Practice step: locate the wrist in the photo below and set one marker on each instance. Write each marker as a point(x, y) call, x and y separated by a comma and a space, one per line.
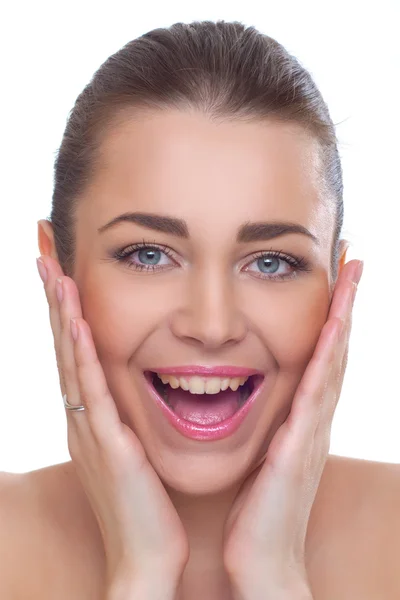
point(265, 590)
point(155, 589)
point(275, 584)
point(274, 595)
point(156, 583)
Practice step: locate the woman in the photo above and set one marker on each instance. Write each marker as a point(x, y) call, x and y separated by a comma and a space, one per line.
point(201, 310)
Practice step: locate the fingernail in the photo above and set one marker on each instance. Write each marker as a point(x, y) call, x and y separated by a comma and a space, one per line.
point(353, 296)
point(42, 269)
point(59, 289)
point(74, 329)
point(358, 273)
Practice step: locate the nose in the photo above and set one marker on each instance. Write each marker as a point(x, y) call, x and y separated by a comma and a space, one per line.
point(209, 314)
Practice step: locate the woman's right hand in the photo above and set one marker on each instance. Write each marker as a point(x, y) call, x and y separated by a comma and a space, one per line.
point(142, 532)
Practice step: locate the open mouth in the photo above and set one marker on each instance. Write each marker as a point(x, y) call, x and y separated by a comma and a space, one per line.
point(197, 406)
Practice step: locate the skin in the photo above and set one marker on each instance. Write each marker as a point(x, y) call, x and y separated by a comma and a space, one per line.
point(202, 306)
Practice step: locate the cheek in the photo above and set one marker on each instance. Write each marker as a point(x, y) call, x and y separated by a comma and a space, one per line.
point(290, 324)
point(120, 317)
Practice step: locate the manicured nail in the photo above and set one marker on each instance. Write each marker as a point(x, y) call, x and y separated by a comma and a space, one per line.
point(59, 289)
point(42, 269)
point(353, 296)
point(74, 329)
point(359, 271)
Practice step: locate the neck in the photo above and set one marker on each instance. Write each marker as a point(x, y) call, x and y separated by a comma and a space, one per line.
point(204, 518)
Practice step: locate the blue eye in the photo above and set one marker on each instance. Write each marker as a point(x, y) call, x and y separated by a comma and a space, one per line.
point(147, 254)
point(150, 257)
point(263, 263)
point(269, 265)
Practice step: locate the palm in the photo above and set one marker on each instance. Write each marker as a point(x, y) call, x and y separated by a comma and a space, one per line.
point(244, 505)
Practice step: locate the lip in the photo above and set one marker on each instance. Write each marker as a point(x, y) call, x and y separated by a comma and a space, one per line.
point(217, 371)
point(215, 432)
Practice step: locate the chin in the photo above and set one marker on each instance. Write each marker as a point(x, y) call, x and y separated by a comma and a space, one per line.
point(191, 474)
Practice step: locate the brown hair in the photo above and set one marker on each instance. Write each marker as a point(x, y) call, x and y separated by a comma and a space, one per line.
point(226, 70)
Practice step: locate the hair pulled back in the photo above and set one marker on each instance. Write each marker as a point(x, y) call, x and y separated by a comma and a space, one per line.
point(224, 69)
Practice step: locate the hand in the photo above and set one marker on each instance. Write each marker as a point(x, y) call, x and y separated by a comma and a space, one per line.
point(141, 530)
point(264, 538)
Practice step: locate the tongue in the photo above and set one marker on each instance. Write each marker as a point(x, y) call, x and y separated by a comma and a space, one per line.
point(204, 409)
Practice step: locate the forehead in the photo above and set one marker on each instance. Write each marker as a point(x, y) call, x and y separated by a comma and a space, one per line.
point(184, 164)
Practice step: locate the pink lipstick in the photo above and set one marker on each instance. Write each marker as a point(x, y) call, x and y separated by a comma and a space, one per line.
point(207, 431)
point(217, 371)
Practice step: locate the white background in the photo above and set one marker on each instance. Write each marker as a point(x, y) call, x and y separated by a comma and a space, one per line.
point(48, 54)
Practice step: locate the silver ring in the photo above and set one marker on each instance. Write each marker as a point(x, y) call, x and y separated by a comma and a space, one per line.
point(71, 406)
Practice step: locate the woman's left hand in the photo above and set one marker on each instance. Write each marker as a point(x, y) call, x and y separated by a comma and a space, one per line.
point(264, 537)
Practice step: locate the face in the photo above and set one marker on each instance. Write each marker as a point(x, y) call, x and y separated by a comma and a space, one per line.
point(206, 297)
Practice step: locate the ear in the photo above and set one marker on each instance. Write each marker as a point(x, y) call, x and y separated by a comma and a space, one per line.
point(46, 239)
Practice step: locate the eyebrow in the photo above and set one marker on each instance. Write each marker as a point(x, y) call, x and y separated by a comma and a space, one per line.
point(248, 232)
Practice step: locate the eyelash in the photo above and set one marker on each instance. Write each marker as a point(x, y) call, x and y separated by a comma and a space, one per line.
point(299, 263)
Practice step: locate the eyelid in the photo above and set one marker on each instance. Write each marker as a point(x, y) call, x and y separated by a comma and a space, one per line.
point(271, 253)
point(297, 263)
point(125, 254)
point(267, 254)
point(136, 247)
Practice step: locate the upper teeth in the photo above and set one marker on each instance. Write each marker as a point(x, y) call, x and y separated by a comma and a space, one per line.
point(203, 385)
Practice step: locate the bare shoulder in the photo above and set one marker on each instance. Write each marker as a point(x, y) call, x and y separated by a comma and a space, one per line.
point(48, 542)
point(369, 490)
point(357, 530)
point(12, 528)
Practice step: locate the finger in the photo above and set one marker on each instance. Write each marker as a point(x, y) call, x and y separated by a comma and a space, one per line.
point(344, 308)
point(102, 414)
point(347, 275)
point(328, 407)
point(84, 380)
point(311, 392)
point(70, 307)
point(53, 271)
point(309, 399)
point(308, 424)
point(315, 435)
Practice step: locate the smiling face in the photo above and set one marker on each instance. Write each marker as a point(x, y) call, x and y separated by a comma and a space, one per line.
point(201, 294)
